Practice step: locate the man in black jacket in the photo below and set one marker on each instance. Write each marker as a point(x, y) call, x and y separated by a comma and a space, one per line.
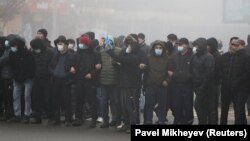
point(87, 66)
point(6, 90)
point(235, 75)
point(181, 81)
point(22, 64)
point(62, 78)
point(41, 93)
point(129, 80)
point(202, 71)
point(225, 75)
point(212, 45)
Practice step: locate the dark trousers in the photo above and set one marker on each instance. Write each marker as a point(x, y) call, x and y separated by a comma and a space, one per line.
point(41, 98)
point(6, 98)
point(206, 105)
point(129, 105)
point(85, 92)
point(240, 112)
point(61, 99)
point(182, 103)
point(109, 99)
point(227, 96)
point(155, 95)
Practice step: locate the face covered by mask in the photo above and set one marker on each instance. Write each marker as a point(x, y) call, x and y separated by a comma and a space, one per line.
point(60, 47)
point(180, 48)
point(128, 49)
point(13, 49)
point(6, 43)
point(37, 51)
point(82, 46)
point(194, 50)
point(71, 46)
point(158, 52)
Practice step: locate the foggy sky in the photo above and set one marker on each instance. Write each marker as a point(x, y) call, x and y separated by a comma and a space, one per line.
point(155, 18)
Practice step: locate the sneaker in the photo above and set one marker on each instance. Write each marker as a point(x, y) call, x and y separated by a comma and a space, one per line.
point(112, 124)
point(100, 120)
point(128, 131)
point(123, 128)
point(77, 122)
point(68, 123)
point(54, 122)
point(35, 121)
point(93, 124)
point(120, 126)
point(26, 119)
point(105, 125)
point(15, 119)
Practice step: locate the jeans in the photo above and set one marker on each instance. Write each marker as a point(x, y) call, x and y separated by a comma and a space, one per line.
point(109, 94)
point(17, 97)
point(155, 96)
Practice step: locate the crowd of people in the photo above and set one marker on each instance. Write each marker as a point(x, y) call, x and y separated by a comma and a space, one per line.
point(109, 77)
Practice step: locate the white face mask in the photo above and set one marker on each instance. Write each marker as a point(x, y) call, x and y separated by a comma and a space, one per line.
point(82, 46)
point(37, 51)
point(194, 50)
point(60, 47)
point(71, 46)
point(128, 49)
point(13, 49)
point(158, 52)
point(180, 48)
point(6, 43)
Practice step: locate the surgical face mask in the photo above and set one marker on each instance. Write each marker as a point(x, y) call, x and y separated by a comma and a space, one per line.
point(37, 51)
point(158, 52)
point(81, 46)
point(6, 43)
point(180, 48)
point(128, 49)
point(194, 50)
point(71, 46)
point(60, 47)
point(13, 49)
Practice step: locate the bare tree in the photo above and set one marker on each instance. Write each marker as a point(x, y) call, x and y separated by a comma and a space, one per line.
point(9, 10)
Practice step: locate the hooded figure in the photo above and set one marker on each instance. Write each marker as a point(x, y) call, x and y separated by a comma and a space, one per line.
point(156, 82)
point(22, 64)
point(212, 45)
point(203, 66)
point(201, 46)
point(130, 78)
point(42, 81)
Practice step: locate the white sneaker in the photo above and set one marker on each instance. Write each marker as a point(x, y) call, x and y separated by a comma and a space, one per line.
point(100, 119)
point(120, 126)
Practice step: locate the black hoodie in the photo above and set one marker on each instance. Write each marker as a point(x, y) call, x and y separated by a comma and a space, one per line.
point(213, 44)
point(22, 62)
point(42, 59)
point(203, 65)
point(129, 74)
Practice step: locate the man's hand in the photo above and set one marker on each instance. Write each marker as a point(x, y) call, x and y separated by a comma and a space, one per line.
point(170, 73)
point(142, 66)
point(98, 66)
point(72, 70)
point(165, 83)
point(88, 76)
